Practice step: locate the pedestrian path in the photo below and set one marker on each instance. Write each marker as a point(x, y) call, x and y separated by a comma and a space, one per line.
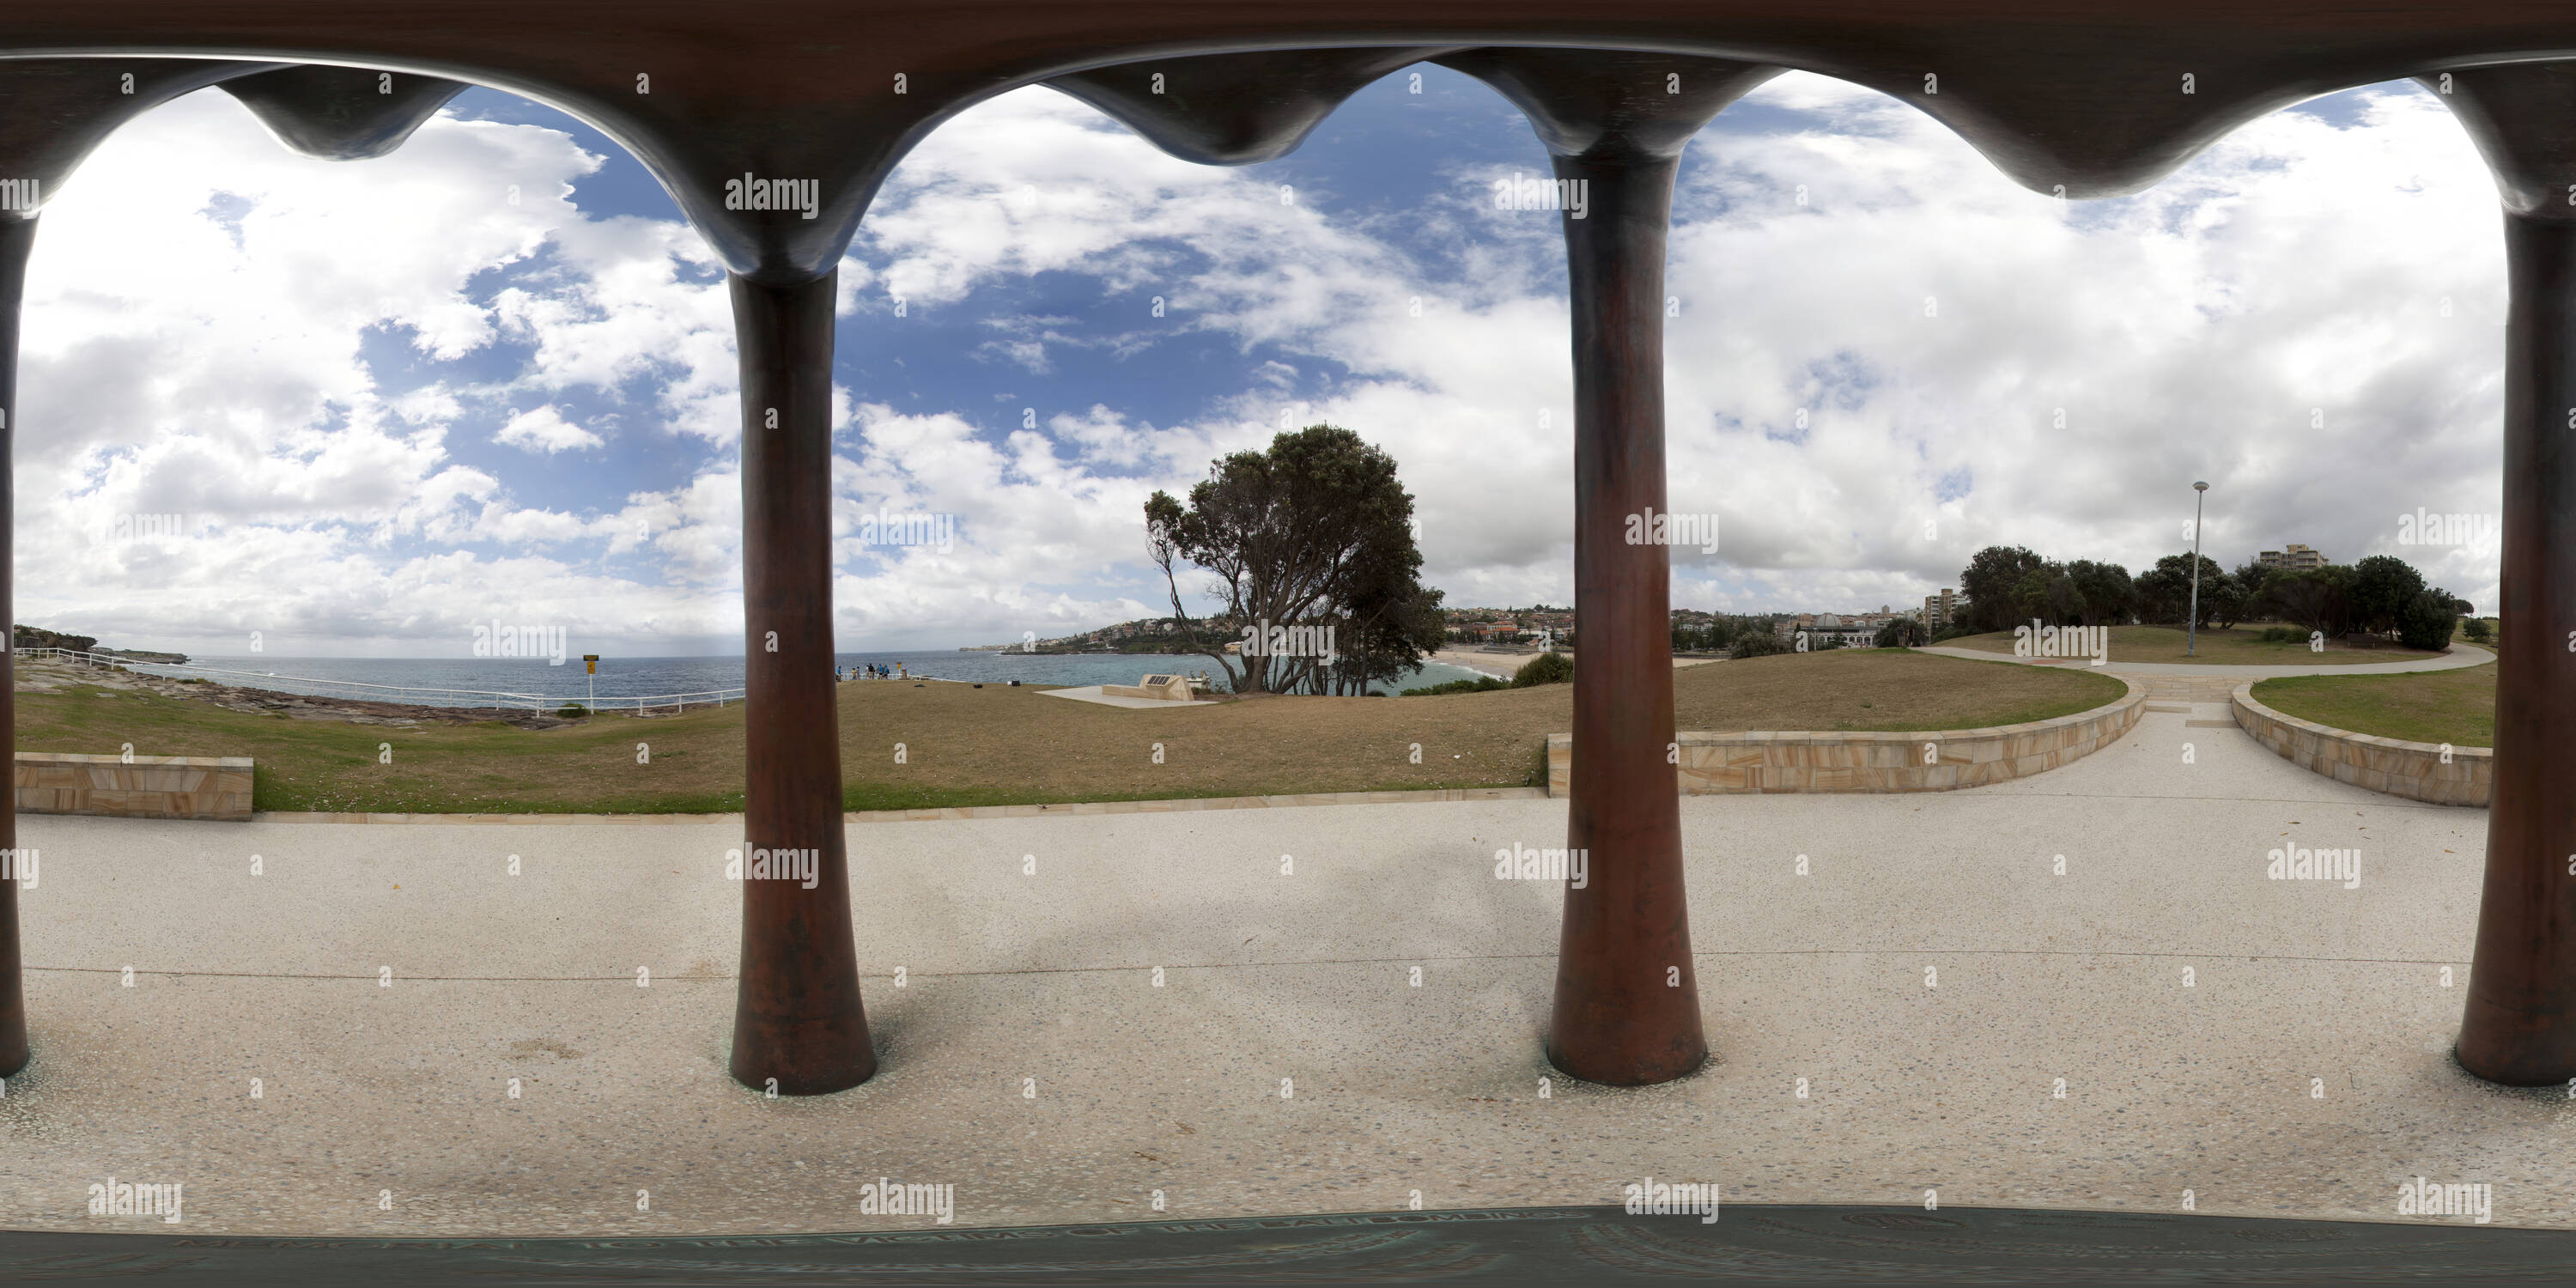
point(2460, 656)
point(1244, 1012)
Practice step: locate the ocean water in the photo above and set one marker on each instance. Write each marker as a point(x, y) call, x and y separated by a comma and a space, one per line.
point(421, 680)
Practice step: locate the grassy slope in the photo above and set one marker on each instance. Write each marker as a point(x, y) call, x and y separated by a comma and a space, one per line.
point(998, 745)
point(333, 765)
point(2241, 646)
point(2457, 707)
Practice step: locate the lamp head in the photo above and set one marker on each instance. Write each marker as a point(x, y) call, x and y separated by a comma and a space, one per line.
point(2199, 487)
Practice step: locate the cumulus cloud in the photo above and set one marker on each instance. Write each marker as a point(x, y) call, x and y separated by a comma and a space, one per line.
point(1883, 356)
point(1890, 356)
point(545, 430)
point(224, 340)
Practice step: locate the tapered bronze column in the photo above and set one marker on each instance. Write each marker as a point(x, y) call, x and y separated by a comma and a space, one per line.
point(17, 238)
point(797, 1017)
point(2520, 1025)
point(1627, 998)
point(52, 112)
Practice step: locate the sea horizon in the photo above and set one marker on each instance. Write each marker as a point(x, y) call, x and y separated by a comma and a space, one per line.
point(455, 681)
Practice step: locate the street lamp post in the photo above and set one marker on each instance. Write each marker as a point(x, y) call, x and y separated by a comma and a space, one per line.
point(2191, 627)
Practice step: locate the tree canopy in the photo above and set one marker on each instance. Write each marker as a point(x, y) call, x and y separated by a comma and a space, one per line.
point(1315, 532)
point(2382, 595)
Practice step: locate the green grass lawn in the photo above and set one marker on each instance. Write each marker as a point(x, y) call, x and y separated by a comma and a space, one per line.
point(332, 765)
point(2457, 707)
point(2238, 646)
point(998, 745)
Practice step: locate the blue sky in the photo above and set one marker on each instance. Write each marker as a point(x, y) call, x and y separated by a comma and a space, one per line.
point(491, 376)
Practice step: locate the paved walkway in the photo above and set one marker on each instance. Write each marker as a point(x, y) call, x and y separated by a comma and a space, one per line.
point(1093, 693)
point(2460, 656)
point(2273, 1048)
point(1503, 666)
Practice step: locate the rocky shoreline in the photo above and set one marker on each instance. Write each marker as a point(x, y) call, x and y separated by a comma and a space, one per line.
point(39, 675)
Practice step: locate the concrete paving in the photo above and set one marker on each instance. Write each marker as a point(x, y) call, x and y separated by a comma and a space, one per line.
point(1347, 1014)
point(1503, 666)
point(2460, 656)
point(1094, 693)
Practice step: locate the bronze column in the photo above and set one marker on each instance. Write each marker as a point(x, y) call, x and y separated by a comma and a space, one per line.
point(1627, 998)
point(797, 1017)
point(2520, 1025)
point(52, 112)
point(17, 238)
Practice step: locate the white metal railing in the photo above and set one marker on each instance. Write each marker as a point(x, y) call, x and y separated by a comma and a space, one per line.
point(373, 692)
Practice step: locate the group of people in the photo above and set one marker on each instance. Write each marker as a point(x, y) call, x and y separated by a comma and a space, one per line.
point(871, 671)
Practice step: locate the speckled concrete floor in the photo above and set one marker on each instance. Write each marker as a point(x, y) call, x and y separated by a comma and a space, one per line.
point(2301, 1070)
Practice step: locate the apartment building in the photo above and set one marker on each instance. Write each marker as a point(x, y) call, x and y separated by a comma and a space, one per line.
point(2294, 558)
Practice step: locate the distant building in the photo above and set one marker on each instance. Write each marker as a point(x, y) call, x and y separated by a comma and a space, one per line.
point(1847, 630)
point(2295, 558)
point(1937, 610)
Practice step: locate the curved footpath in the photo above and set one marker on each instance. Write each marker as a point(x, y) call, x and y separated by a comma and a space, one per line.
point(2461, 656)
point(2274, 1047)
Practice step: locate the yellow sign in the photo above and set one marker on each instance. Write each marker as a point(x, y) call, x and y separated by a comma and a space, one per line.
point(592, 660)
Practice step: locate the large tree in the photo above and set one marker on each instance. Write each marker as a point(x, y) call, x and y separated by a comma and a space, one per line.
point(1389, 621)
point(1314, 532)
point(2165, 593)
point(2428, 619)
point(1992, 582)
point(2317, 598)
point(2110, 598)
point(2384, 588)
point(2255, 601)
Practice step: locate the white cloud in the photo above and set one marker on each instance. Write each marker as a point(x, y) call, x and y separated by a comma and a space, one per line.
point(545, 430)
point(1931, 317)
point(206, 313)
point(2187, 333)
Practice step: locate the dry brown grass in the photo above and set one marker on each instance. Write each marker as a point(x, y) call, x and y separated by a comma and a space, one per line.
point(1003, 745)
point(999, 745)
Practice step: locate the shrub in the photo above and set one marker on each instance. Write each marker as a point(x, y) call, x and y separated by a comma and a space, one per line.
point(1546, 668)
point(2278, 635)
point(1757, 644)
point(1481, 684)
point(2477, 630)
point(2427, 620)
point(572, 711)
point(1904, 632)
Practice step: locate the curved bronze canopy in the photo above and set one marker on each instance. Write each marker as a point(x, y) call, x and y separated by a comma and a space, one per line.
point(2092, 99)
point(729, 104)
point(342, 113)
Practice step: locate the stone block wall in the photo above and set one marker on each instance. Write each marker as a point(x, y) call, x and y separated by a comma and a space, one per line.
point(2416, 770)
point(1717, 763)
point(201, 787)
